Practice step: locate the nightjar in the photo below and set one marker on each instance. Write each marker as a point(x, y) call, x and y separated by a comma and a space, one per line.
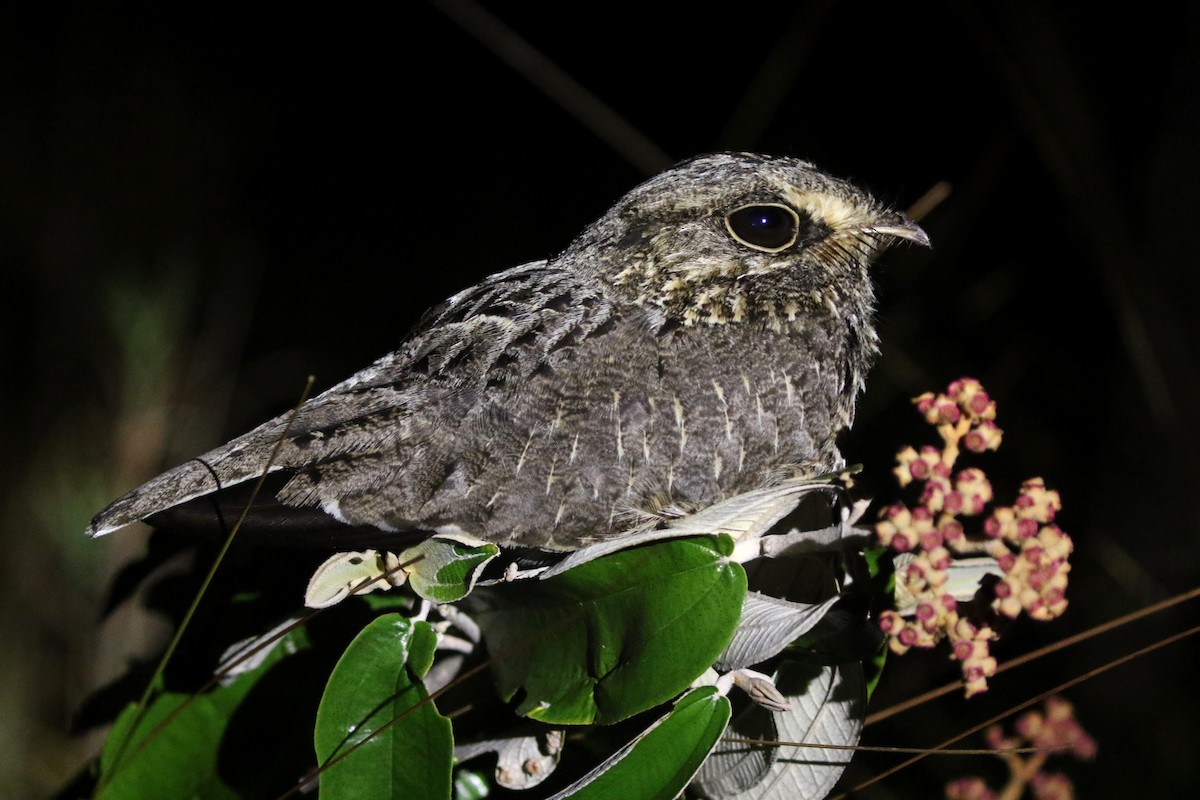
point(705, 337)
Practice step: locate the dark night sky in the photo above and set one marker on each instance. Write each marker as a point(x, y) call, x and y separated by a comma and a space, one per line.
point(301, 186)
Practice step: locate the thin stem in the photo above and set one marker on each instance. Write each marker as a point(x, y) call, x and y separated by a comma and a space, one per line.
point(1105, 627)
point(1062, 687)
point(155, 679)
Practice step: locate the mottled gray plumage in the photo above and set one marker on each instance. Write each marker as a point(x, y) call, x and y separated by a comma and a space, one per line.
point(661, 363)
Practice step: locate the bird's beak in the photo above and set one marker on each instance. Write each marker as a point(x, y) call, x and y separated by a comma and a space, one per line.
point(900, 227)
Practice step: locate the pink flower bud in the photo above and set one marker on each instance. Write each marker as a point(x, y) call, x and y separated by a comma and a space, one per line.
point(890, 621)
point(1084, 746)
point(902, 541)
point(1057, 543)
point(939, 558)
point(972, 788)
point(1000, 524)
point(984, 436)
point(951, 530)
point(1059, 708)
point(947, 412)
point(995, 738)
point(979, 403)
point(969, 477)
point(1009, 607)
point(1051, 786)
point(975, 488)
point(1029, 724)
point(1040, 578)
point(924, 403)
point(958, 387)
point(1037, 610)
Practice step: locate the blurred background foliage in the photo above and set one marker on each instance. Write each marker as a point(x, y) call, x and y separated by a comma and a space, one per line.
point(201, 206)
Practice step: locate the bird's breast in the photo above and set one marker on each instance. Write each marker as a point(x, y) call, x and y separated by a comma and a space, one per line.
point(654, 426)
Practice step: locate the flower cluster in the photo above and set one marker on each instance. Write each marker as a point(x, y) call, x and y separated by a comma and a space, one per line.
point(1032, 552)
point(1053, 730)
point(1021, 549)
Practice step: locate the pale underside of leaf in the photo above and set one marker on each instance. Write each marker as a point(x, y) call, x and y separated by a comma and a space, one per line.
point(522, 761)
point(768, 625)
point(828, 704)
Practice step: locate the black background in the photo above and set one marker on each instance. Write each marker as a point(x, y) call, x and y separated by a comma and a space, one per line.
point(281, 194)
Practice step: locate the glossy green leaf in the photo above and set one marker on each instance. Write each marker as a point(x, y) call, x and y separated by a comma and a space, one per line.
point(180, 760)
point(446, 570)
point(375, 713)
point(617, 635)
point(660, 762)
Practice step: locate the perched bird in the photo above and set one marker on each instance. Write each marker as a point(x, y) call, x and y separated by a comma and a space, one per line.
point(705, 337)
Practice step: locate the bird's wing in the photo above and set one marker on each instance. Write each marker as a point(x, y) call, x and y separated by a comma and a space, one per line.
point(400, 409)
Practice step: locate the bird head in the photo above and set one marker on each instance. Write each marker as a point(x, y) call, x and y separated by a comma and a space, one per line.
point(738, 237)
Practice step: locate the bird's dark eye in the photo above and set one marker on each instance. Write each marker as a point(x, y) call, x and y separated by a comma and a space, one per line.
point(765, 226)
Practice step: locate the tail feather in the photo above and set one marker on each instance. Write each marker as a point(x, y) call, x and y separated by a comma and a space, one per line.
point(187, 482)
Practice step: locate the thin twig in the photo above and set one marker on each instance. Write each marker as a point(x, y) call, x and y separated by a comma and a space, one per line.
point(1062, 687)
point(1132, 616)
point(143, 703)
point(572, 96)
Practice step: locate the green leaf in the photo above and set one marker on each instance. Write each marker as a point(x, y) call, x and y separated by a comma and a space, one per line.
point(374, 700)
point(195, 753)
point(660, 762)
point(617, 635)
point(881, 567)
point(447, 570)
point(873, 670)
point(180, 760)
